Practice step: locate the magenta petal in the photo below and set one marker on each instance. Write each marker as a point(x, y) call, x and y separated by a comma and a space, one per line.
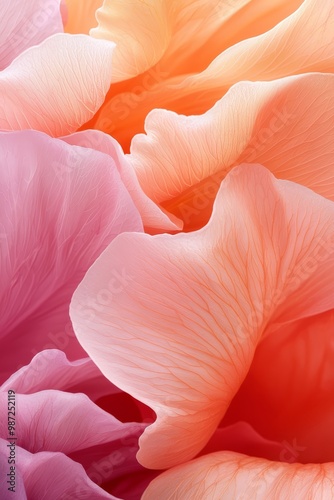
point(26, 23)
point(49, 475)
point(60, 421)
point(50, 369)
point(60, 208)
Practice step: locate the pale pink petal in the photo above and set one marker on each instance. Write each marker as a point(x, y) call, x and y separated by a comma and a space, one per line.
point(57, 86)
point(61, 206)
point(152, 216)
point(285, 125)
point(180, 335)
point(24, 24)
point(226, 476)
point(81, 15)
point(49, 476)
point(50, 369)
point(290, 398)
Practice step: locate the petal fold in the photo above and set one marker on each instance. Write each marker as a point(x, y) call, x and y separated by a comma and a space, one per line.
point(181, 335)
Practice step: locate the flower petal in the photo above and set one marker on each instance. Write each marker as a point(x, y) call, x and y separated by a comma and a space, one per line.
point(81, 15)
point(61, 206)
point(24, 24)
point(284, 125)
point(152, 216)
point(301, 43)
point(50, 369)
point(61, 95)
point(145, 31)
point(226, 475)
point(291, 398)
point(51, 474)
point(60, 421)
point(180, 335)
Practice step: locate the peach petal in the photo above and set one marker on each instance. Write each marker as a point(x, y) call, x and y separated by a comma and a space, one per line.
point(57, 97)
point(81, 15)
point(285, 125)
point(227, 475)
point(145, 31)
point(181, 333)
point(24, 24)
point(301, 43)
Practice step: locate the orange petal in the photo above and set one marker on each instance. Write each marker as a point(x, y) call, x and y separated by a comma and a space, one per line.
point(291, 398)
point(146, 31)
point(178, 328)
point(285, 125)
point(81, 15)
point(56, 86)
point(301, 43)
point(227, 475)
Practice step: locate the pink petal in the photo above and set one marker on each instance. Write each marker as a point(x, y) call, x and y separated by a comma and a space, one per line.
point(153, 217)
point(227, 475)
point(181, 335)
point(62, 206)
point(64, 422)
point(51, 369)
point(57, 97)
point(24, 24)
point(51, 475)
point(284, 125)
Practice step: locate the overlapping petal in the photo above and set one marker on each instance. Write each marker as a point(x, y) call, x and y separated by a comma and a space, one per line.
point(56, 86)
point(226, 475)
point(51, 474)
point(50, 369)
point(61, 206)
point(153, 217)
point(285, 125)
point(146, 31)
point(302, 42)
point(60, 421)
point(181, 335)
point(24, 24)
